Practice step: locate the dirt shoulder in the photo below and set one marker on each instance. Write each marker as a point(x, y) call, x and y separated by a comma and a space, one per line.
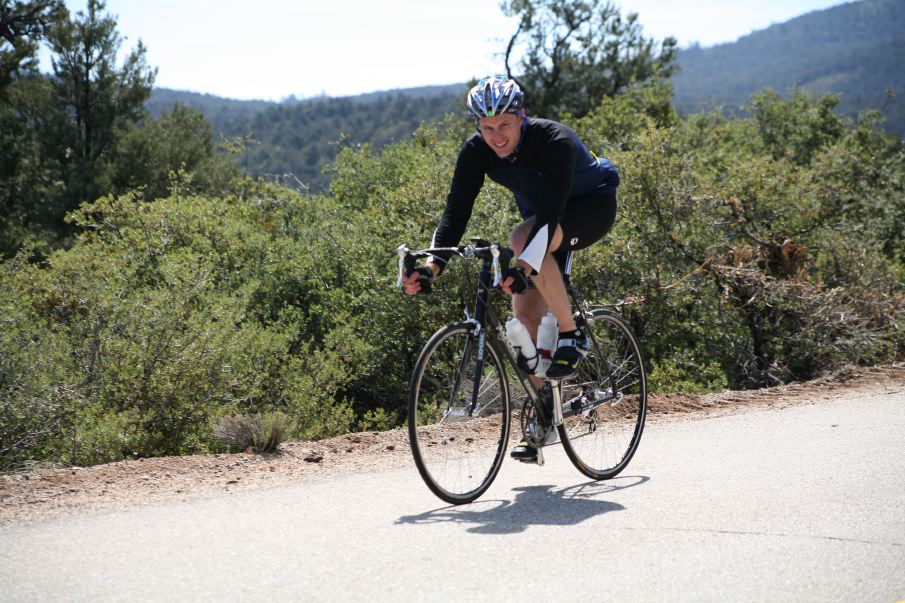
point(47, 493)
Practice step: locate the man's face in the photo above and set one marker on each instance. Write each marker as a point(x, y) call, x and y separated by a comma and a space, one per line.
point(501, 132)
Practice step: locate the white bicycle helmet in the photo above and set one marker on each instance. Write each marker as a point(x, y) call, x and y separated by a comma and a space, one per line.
point(494, 96)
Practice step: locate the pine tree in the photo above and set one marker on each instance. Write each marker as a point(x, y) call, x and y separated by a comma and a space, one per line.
point(574, 53)
point(99, 99)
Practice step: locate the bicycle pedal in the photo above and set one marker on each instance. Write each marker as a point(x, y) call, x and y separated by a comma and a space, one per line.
point(537, 460)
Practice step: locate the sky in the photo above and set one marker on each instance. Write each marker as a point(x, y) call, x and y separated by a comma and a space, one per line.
point(274, 49)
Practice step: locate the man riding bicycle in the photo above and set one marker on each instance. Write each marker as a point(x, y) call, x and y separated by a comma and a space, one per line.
point(565, 195)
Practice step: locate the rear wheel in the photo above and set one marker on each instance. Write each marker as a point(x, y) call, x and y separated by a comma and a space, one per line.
point(612, 386)
point(458, 445)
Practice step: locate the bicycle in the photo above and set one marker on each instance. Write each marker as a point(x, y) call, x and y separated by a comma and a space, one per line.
point(459, 407)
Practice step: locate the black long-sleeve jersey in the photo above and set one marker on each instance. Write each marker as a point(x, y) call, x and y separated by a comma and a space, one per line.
point(550, 166)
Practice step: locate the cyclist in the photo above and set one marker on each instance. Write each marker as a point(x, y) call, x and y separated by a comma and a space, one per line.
point(565, 194)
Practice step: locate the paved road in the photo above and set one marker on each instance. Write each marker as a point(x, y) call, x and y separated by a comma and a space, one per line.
point(801, 504)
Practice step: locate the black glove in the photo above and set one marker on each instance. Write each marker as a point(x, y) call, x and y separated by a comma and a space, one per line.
point(425, 278)
point(519, 280)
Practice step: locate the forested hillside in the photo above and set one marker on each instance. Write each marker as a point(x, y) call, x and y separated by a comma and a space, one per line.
point(855, 50)
point(300, 137)
point(227, 116)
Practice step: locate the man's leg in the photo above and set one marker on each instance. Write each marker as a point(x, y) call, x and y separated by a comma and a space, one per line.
point(586, 220)
point(548, 281)
point(530, 307)
point(572, 344)
point(550, 293)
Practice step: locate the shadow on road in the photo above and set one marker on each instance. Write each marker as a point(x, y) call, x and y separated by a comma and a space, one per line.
point(532, 505)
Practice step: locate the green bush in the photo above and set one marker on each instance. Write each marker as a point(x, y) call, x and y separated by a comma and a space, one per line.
point(134, 340)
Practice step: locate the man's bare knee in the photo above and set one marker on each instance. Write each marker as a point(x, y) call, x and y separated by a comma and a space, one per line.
point(517, 241)
point(519, 236)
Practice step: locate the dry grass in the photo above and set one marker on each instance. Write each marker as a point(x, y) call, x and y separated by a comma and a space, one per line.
point(258, 432)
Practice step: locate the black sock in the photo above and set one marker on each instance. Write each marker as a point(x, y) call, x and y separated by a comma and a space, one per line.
point(576, 334)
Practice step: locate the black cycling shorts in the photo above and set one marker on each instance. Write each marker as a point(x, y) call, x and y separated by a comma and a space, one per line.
point(586, 220)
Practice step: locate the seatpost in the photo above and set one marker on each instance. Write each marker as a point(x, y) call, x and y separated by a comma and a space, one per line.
point(557, 403)
point(567, 269)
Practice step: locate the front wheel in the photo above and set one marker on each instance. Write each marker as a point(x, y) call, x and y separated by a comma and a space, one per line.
point(611, 386)
point(458, 416)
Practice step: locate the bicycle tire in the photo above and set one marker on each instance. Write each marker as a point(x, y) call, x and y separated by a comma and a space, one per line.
point(601, 442)
point(457, 455)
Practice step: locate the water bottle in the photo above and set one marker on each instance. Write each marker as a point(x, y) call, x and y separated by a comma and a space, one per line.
point(522, 345)
point(547, 335)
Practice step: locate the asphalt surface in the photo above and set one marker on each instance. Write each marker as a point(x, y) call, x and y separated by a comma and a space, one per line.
point(805, 503)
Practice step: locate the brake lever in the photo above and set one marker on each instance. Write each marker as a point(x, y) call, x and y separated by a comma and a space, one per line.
point(497, 273)
point(403, 252)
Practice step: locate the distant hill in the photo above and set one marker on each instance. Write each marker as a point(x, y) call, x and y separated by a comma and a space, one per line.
point(451, 90)
point(299, 137)
point(224, 114)
point(856, 50)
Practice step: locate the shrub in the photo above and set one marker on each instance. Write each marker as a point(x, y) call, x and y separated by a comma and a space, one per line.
point(262, 432)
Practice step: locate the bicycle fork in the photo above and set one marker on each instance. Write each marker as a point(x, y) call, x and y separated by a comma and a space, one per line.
point(479, 371)
point(460, 375)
